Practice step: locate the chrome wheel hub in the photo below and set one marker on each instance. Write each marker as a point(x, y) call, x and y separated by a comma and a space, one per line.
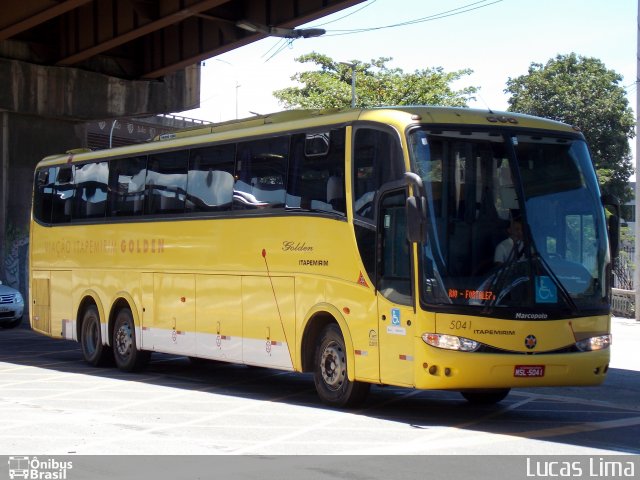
point(332, 366)
point(123, 340)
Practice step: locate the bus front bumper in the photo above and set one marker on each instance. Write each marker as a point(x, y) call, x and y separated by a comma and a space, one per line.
point(437, 368)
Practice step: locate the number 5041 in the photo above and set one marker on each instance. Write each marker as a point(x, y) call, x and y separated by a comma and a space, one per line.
point(459, 325)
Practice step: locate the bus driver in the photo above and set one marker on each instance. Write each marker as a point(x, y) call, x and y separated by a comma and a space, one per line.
point(512, 245)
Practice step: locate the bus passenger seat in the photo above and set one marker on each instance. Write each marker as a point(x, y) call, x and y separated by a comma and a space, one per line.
point(335, 193)
point(93, 209)
point(68, 207)
point(171, 203)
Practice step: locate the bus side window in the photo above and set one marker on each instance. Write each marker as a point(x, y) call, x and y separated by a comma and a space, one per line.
point(261, 173)
point(91, 190)
point(62, 206)
point(127, 185)
point(43, 194)
point(316, 175)
point(210, 178)
point(394, 280)
point(166, 182)
point(377, 159)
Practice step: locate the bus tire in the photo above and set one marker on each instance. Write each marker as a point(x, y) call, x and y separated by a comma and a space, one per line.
point(485, 397)
point(330, 371)
point(128, 358)
point(94, 351)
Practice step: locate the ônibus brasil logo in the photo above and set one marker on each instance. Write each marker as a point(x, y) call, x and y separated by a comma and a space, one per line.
point(36, 469)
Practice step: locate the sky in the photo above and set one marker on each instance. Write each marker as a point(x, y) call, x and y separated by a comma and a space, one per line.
point(497, 39)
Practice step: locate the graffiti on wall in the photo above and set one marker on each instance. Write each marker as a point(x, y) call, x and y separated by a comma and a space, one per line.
point(16, 257)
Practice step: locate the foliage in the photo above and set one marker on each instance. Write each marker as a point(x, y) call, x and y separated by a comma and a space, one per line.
point(581, 91)
point(376, 85)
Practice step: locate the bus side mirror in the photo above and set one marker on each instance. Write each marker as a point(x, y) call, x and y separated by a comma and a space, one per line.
point(416, 209)
point(614, 235)
point(415, 219)
point(613, 223)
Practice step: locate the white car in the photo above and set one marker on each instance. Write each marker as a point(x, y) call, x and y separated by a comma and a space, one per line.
point(11, 307)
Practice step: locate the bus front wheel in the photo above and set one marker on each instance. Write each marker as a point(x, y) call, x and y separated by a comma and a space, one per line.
point(128, 357)
point(486, 397)
point(94, 351)
point(330, 371)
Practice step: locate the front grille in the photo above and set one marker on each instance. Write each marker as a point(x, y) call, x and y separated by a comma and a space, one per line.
point(7, 298)
point(488, 349)
point(7, 314)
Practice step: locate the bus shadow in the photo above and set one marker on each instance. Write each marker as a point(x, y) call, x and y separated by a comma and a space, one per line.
point(605, 417)
point(571, 416)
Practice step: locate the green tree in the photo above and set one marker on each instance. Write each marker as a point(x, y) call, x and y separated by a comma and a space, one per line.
point(376, 85)
point(581, 91)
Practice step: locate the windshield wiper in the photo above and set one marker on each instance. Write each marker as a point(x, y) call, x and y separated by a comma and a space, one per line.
point(512, 259)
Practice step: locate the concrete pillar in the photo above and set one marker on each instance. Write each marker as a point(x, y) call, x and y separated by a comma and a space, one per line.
point(25, 141)
point(4, 186)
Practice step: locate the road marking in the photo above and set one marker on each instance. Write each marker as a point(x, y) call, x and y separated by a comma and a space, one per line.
point(254, 448)
point(432, 439)
point(579, 428)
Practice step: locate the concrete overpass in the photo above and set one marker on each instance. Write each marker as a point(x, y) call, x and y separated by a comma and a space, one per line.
point(66, 62)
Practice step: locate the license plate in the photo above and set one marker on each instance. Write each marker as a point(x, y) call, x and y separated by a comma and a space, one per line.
point(528, 371)
point(4, 309)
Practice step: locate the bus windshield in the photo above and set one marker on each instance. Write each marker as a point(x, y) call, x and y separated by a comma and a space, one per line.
point(515, 224)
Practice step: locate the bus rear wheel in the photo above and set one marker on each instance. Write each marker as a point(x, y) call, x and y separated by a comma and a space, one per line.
point(330, 371)
point(128, 358)
point(486, 397)
point(94, 351)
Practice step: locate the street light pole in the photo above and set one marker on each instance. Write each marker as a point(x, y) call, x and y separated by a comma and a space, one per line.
point(235, 79)
point(636, 254)
point(353, 86)
point(113, 125)
point(237, 87)
point(352, 66)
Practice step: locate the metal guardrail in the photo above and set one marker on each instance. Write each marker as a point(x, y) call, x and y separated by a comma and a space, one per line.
point(182, 122)
point(623, 302)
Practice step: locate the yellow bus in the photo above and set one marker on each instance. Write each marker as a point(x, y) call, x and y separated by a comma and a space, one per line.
point(360, 245)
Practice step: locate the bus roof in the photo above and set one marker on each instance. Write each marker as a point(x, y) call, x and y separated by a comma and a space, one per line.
point(273, 123)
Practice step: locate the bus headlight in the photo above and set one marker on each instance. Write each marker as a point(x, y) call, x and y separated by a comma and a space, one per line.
point(450, 342)
point(594, 343)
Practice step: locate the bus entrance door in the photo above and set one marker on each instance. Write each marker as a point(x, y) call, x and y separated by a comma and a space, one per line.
point(396, 343)
point(395, 299)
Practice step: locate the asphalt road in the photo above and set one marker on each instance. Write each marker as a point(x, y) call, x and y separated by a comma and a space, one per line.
point(52, 403)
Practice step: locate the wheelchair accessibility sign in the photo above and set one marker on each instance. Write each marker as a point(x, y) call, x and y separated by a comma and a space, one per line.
point(396, 327)
point(395, 317)
point(546, 290)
